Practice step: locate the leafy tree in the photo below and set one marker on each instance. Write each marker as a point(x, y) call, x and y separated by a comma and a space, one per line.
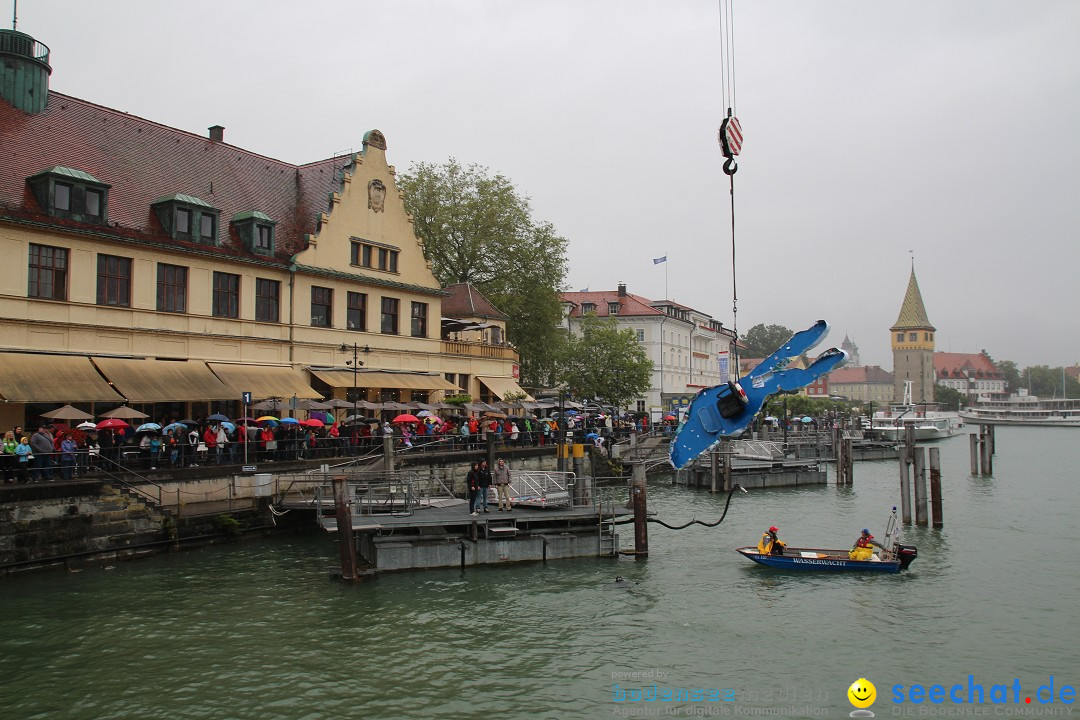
point(605, 363)
point(1012, 374)
point(949, 398)
point(478, 228)
point(762, 340)
point(1046, 382)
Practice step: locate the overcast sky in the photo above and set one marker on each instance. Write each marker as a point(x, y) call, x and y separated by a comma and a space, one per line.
point(950, 129)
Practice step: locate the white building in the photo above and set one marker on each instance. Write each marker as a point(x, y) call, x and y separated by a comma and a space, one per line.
point(686, 346)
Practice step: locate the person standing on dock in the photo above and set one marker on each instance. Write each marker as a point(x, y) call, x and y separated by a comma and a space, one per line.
point(471, 482)
point(483, 483)
point(770, 544)
point(502, 484)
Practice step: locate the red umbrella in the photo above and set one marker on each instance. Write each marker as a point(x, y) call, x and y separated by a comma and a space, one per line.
point(112, 424)
point(313, 422)
point(669, 417)
point(406, 418)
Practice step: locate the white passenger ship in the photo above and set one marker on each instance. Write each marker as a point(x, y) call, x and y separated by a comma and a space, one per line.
point(1024, 409)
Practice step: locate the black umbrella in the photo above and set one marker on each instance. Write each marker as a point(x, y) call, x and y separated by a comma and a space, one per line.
point(216, 417)
point(189, 423)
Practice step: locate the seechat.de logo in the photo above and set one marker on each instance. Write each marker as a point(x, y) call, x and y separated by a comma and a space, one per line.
point(862, 694)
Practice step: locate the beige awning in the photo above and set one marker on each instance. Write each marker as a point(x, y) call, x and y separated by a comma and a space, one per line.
point(378, 380)
point(264, 381)
point(501, 386)
point(29, 377)
point(146, 381)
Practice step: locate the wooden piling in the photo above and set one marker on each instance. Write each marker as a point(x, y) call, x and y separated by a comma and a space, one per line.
point(346, 541)
point(973, 447)
point(905, 486)
point(849, 461)
point(725, 458)
point(935, 488)
point(714, 470)
point(388, 452)
point(987, 450)
point(638, 495)
point(920, 487)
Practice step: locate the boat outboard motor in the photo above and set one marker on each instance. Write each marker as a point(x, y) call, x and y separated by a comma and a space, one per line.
point(905, 554)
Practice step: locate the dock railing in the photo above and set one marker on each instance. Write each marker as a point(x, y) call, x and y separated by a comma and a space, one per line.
point(541, 488)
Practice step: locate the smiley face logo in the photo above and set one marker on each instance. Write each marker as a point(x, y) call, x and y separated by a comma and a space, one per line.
point(862, 693)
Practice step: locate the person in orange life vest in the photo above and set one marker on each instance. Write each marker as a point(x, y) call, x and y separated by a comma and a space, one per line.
point(770, 544)
point(864, 546)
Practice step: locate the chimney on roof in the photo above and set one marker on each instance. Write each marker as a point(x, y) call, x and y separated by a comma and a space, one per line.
point(622, 289)
point(217, 133)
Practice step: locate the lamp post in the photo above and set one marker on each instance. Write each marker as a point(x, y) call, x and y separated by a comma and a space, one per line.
point(355, 363)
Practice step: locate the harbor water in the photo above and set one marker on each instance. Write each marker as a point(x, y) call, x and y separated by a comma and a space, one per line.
point(258, 630)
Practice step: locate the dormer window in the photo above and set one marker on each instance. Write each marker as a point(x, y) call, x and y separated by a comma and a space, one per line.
point(256, 231)
point(72, 194)
point(186, 217)
point(613, 308)
point(587, 308)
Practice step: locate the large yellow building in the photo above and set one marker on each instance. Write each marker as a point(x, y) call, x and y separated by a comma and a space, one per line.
point(148, 265)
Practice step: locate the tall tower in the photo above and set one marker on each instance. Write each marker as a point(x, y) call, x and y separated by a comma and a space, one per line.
point(913, 347)
point(24, 71)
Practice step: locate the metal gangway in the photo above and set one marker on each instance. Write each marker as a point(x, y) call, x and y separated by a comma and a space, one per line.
point(540, 488)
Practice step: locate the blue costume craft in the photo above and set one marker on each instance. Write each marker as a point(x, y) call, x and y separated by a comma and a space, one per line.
point(724, 411)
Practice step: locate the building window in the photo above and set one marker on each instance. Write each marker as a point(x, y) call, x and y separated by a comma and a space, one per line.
point(641, 406)
point(264, 239)
point(357, 311)
point(587, 308)
point(419, 319)
point(62, 196)
point(899, 337)
point(390, 315)
point(48, 272)
point(496, 335)
point(93, 203)
point(613, 308)
point(321, 301)
point(267, 300)
point(913, 336)
point(206, 228)
point(114, 281)
point(226, 295)
point(640, 334)
point(371, 255)
point(171, 288)
point(183, 222)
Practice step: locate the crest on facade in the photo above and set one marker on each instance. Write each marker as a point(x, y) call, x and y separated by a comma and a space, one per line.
point(376, 195)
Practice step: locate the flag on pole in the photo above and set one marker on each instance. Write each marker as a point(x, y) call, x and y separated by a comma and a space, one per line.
point(657, 261)
point(584, 290)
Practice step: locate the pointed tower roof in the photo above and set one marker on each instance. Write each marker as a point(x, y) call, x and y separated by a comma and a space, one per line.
point(913, 312)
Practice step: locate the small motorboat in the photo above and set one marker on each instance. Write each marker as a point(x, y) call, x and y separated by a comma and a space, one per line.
point(891, 558)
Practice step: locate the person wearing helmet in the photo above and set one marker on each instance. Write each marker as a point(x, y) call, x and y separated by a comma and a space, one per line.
point(864, 546)
point(770, 544)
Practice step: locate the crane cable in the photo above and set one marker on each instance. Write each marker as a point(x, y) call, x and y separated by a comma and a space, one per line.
point(730, 142)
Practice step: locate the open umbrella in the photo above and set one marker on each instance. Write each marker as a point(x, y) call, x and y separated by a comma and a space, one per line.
point(808, 419)
point(669, 417)
point(112, 424)
point(290, 421)
point(86, 426)
point(313, 422)
point(125, 413)
point(148, 427)
point(175, 426)
point(495, 414)
point(406, 418)
point(217, 417)
point(423, 413)
point(189, 422)
point(229, 427)
point(264, 418)
point(67, 413)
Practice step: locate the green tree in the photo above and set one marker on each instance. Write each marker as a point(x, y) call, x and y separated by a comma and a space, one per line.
point(478, 228)
point(605, 363)
point(1012, 374)
point(949, 398)
point(762, 340)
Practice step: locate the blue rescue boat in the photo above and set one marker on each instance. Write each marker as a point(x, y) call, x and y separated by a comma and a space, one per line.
point(833, 560)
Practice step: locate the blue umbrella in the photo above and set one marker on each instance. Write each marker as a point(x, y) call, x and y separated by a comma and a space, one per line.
point(175, 426)
point(570, 412)
point(217, 417)
point(289, 421)
point(590, 436)
point(808, 419)
point(148, 427)
point(229, 427)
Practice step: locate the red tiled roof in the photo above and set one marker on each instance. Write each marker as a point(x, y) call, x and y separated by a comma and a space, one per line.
point(860, 374)
point(143, 161)
point(465, 301)
point(630, 305)
point(954, 365)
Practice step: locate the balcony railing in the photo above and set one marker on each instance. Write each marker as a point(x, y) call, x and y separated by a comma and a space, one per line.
point(17, 43)
point(478, 349)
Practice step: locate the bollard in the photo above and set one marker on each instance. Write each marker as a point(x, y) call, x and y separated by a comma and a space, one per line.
point(725, 458)
point(920, 487)
point(905, 486)
point(388, 452)
point(987, 450)
point(714, 471)
point(346, 542)
point(638, 487)
point(935, 487)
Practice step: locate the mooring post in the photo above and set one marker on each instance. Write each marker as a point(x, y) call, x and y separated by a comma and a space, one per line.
point(714, 470)
point(987, 450)
point(489, 450)
point(346, 541)
point(638, 496)
point(838, 457)
point(935, 487)
point(973, 447)
point(993, 440)
point(905, 485)
point(725, 458)
point(388, 452)
point(849, 466)
point(920, 487)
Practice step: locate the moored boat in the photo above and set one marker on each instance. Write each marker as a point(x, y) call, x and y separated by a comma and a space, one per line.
point(1024, 409)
